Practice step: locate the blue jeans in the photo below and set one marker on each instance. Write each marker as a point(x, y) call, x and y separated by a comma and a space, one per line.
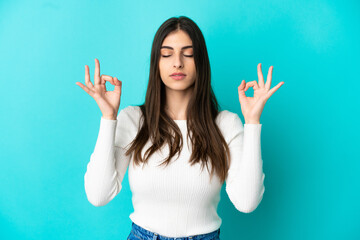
point(139, 233)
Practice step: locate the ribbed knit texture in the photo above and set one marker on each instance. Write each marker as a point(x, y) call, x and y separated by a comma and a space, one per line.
point(178, 200)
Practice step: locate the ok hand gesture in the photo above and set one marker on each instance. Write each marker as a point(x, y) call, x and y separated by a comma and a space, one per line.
point(252, 107)
point(108, 101)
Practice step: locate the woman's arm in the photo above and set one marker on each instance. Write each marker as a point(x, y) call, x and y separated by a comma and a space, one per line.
point(108, 163)
point(245, 180)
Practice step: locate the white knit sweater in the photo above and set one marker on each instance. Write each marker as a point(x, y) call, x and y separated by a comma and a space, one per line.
point(178, 200)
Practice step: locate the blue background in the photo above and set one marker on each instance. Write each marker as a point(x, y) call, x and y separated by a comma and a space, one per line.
point(49, 125)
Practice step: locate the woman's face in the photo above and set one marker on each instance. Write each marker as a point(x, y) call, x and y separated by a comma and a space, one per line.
point(176, 56)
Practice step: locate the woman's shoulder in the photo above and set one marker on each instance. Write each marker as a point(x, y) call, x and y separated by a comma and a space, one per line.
point(131, 108)
point(229, 124)
point(130, 114)
point(127, 125)
point(226, 117)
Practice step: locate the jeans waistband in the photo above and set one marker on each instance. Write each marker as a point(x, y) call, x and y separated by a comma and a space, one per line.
point(146, 234)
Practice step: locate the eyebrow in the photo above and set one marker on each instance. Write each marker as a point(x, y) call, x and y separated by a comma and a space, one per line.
point(173, 48)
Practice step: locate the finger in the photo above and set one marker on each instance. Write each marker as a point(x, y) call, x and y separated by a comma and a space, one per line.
point(269, 77)
point(251, 84)
point(260, 75)
point(274, 89)
point(86, 89)
point(97, 72)
point(113, 81)
point(118, 85)
point(87, 78)
point(104, 78)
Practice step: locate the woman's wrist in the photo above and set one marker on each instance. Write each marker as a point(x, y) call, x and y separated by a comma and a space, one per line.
point(252, 121)
point(109, 117)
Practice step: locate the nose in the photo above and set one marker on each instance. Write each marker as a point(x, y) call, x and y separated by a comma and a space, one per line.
point(178, 63)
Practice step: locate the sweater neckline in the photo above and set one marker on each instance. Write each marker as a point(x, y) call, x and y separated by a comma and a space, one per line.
point(180, 121)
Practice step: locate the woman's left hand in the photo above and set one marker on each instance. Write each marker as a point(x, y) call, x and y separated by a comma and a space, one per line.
point(252, 107)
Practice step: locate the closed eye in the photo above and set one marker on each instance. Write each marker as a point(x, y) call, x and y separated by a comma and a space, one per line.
point(170, 55)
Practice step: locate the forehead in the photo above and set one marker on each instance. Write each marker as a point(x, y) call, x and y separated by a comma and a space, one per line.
point(177, 40)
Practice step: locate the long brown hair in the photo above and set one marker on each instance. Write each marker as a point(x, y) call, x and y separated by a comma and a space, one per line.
point(207, 141)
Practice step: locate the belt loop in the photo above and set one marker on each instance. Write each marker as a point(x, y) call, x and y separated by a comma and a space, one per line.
point(155, 236)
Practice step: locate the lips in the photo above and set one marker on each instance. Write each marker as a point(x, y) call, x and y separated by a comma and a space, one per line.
point(178, 77)
point(178, 74)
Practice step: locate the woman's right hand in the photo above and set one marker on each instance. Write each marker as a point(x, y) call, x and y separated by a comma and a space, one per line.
point(108, 101)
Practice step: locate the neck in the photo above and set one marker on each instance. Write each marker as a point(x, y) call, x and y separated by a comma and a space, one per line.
point(177, 102)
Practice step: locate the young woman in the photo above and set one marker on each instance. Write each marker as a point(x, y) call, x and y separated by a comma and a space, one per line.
point(175, 197)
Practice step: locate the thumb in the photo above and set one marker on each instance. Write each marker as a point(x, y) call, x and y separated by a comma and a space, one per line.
point(241, 91)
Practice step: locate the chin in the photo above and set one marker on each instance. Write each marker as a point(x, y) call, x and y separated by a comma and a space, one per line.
point(179, 87)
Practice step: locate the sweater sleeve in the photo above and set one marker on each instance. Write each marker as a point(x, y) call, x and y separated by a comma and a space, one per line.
point(108, 163)
point(245, 180)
